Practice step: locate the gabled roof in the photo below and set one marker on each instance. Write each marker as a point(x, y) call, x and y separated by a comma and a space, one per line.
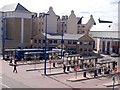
point(80, 20)
point(14, 7)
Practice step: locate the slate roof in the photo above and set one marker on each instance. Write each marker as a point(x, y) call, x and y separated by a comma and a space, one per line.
point(66, 36)
point(105, 34)
point(14, 7)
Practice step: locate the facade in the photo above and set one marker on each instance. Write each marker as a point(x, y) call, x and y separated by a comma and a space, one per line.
point(73, 43)
point(72, 24)
point(106, 42)
point(51, 21)
point(17, 25)
point(26, 29)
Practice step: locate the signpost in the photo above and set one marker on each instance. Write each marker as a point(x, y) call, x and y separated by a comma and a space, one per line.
point(76, 68)
point(115, 69)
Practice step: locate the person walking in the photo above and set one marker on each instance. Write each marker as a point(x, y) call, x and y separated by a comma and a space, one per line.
point(15, 66)
point(64, 68)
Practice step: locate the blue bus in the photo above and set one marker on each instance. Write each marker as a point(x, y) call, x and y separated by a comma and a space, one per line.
point(20, 53)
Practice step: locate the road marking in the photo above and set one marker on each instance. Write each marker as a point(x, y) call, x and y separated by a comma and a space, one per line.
point(5, 85)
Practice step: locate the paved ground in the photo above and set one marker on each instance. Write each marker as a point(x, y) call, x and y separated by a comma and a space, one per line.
point(35, 79)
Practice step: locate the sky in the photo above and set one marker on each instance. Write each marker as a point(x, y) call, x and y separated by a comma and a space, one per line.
point(104, 9)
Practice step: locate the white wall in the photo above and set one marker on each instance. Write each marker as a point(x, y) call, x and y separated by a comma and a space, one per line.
point(72, 24)
point(52, 21)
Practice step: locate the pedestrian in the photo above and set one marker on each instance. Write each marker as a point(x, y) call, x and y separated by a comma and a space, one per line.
point(99, 70)
point(15, 68)
point(95, 72)
point(64, 68)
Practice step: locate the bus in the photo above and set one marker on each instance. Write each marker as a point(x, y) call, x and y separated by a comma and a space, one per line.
point(20, 53)
point(60, 51)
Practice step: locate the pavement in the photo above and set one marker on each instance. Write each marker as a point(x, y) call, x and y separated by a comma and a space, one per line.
point(31, 76)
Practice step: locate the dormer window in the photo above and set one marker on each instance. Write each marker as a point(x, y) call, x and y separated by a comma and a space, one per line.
point(83, 26)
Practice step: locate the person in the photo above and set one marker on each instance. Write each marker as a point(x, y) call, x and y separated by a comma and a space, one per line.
point(64, 68)
point(15, 68)
point(95, 72)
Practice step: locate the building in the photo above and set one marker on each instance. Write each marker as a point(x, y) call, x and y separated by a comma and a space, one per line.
point(69, 24)
point(107, 40)
point(73, 43)
point(72, 24)
point(17, 25)
point(25, 29)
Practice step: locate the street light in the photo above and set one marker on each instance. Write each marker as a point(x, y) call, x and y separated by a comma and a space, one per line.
point(3, 35)
point(62, 39)
point(78, 46)
point(45, 14)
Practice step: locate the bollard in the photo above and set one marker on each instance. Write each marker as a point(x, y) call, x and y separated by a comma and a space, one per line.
point(68, 68)
point(54, 64)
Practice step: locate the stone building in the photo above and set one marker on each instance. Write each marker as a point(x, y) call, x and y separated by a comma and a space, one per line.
point(17, 20)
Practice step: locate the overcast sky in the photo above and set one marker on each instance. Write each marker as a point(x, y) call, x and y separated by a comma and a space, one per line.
point(105, 9)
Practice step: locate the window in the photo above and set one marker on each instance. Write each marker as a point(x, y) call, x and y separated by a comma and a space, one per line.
point(85, 43)
point(43, 41)
point(55, 41)
point(39, 41)
point(62, 41)
point(78, 32)
point(69, 42)
point(90, 43)
point(74, 42)
point(81, 49)
point(35, 41)
point(90, 50)
point(50, 41)
point(85, 49)
point(80, 43)
point(83, 26)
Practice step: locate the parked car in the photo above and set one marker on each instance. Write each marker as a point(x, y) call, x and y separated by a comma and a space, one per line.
point(114, 55)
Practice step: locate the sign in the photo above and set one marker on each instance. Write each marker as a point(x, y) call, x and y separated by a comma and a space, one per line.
point(115, 69)
point(50, 61)
point(76, 67)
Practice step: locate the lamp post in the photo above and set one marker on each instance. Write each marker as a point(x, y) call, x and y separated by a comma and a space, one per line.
point(45, 14)
point(3, 36)
point(62, 39)
point(78, 46)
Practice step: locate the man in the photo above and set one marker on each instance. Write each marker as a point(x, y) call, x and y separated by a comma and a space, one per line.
point(15, 66)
